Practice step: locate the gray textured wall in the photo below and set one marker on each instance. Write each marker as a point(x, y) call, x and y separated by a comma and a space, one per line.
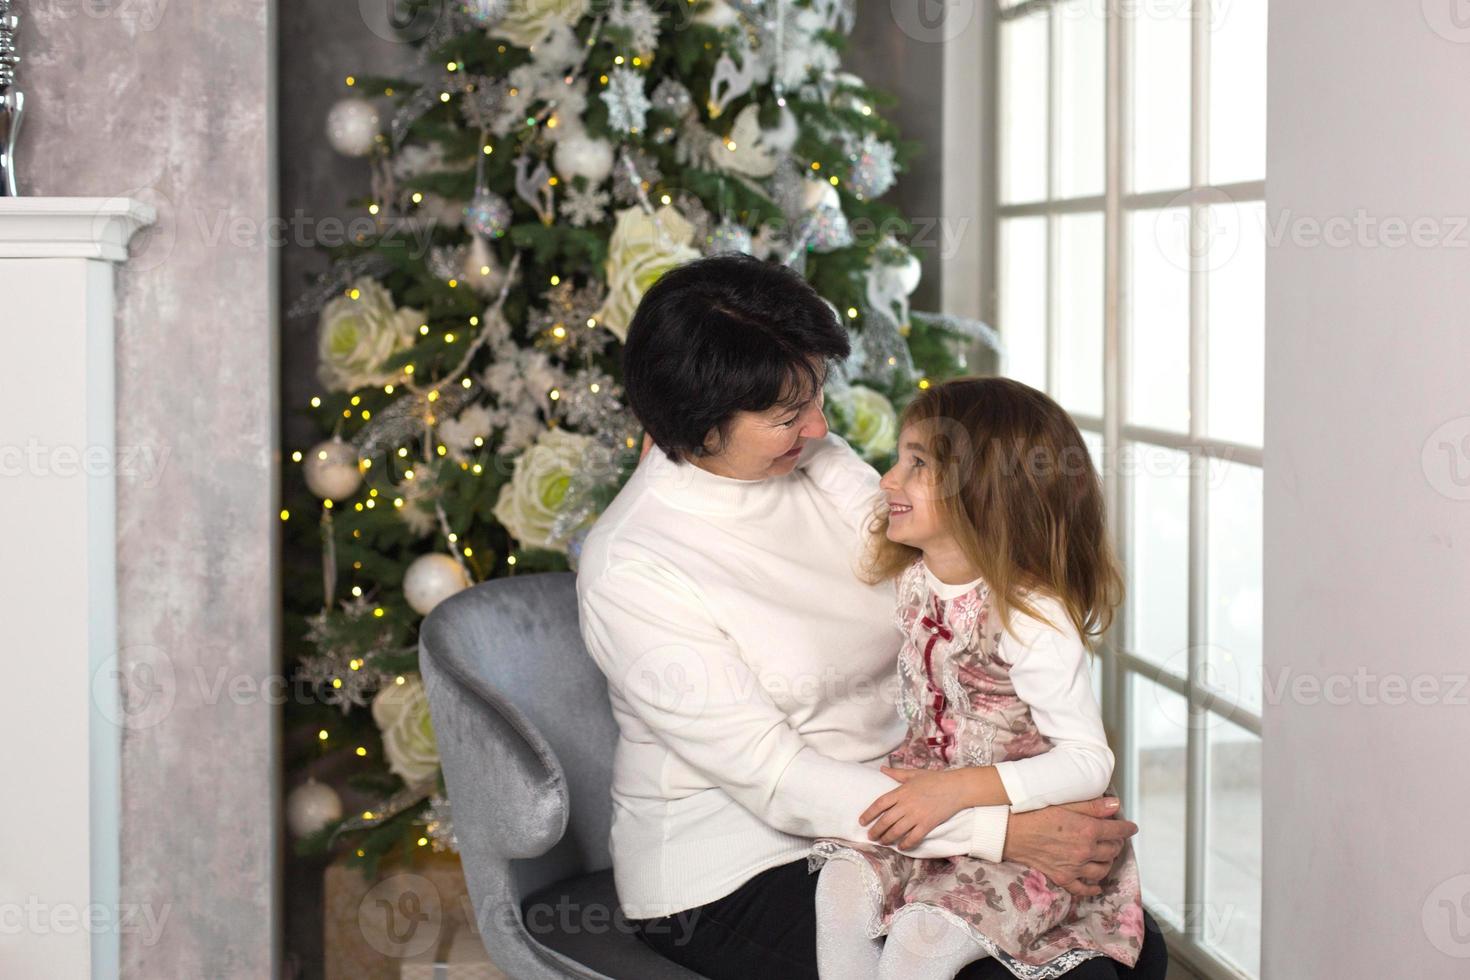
point(172, 103)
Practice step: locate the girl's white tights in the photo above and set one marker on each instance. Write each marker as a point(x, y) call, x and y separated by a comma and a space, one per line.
point(844, 951)
point(922, 944)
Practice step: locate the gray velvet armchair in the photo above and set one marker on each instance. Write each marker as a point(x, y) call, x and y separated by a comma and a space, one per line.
point(526, 736)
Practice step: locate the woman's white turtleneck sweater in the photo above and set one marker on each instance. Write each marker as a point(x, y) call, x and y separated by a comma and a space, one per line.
point(752, 675)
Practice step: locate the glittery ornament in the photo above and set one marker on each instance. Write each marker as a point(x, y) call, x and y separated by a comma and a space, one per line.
point(639, 171)
point(589, 400)
point(439, 823)
point(627, 105)
point(569, 307)
point(826, 228)
point(445, 261)
point(873, 170)
point(672, 97)
point(487, 213)
point(728, 236)
point(639, 20)
point(584, 207)
point(484, 13)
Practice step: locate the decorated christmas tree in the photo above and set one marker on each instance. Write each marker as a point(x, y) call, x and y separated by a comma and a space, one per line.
point(544, 165)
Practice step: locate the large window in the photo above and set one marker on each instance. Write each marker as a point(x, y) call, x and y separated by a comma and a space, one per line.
point(1128, 251)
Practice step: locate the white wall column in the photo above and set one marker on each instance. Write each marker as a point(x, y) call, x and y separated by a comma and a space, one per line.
point(1367, 493)
point(60, 911)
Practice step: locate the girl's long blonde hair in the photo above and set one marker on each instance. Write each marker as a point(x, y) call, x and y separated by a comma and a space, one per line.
point(1017, 489)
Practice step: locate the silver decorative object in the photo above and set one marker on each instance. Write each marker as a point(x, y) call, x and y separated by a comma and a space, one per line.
point(487, 213)
point(12, 103)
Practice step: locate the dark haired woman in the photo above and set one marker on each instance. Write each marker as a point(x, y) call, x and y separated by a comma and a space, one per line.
point(749, 667)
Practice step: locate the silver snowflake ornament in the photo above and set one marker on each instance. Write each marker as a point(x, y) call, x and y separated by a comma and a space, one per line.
point(641, 22)
point(627, 104)
point(584, 207)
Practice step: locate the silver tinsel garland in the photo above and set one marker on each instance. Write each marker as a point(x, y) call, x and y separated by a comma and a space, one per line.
point(333, 663)
point(438, 821)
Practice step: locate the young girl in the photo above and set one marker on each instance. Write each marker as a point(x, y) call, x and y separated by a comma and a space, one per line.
point(994, 531)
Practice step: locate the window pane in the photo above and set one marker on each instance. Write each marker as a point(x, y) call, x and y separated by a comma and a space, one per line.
point(1023, 82)
point(1158, 722)
point(1158, 555)
point(1231, 920)
point(1160, 93)
point(1080, 312)
point(1233, 582)
point(1236, 267)
point(1237, 91)
point(1094, 441)
point(1158, 319)
point(1023, 298)
point(1081, 85)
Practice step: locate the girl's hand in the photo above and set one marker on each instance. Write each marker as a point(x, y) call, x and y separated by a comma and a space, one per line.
point(906, 815)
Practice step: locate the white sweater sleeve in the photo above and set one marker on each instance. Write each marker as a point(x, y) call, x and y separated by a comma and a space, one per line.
point(1049, 671)
point(672, 666)
point(841, 475)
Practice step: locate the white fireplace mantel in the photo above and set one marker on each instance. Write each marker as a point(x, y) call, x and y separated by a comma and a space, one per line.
point(70, 227)
point(63, 724)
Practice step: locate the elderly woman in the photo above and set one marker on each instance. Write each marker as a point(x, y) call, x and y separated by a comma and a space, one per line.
point(751, 672)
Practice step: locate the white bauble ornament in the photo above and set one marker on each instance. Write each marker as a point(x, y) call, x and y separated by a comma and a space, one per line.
point(717, 13)
point(353, 126)
point(909, 273)
point(430, 580)
point(583, 156)
point(482, 272)
point(332, 470)
point(310, 807)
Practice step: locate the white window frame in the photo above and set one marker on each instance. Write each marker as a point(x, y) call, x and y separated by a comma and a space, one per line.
point(976, 138)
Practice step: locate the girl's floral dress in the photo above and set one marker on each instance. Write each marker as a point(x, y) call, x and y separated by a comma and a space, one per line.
point(962, 710)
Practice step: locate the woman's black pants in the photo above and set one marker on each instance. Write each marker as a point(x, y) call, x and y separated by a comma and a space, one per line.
point(767, 929)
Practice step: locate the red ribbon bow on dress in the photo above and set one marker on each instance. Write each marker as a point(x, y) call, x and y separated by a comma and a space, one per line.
point(937, 629)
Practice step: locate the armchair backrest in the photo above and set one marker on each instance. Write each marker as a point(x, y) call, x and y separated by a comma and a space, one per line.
point(525, 731)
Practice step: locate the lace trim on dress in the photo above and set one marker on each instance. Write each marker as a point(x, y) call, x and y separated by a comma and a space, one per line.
point(1054, 967)
point(827, 850)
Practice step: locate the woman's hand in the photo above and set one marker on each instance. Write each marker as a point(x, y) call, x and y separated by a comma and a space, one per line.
point(1074, 844)
point(906, 815)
